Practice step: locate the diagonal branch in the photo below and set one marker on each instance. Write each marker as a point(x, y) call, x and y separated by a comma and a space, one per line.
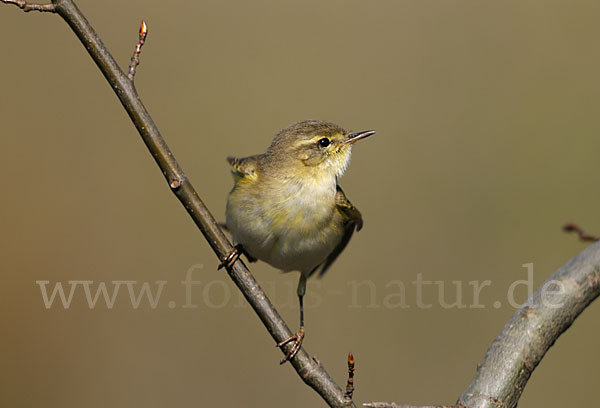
point(532, 330)
point(312, 373)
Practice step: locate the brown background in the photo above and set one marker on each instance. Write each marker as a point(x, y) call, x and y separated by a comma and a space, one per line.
point(488, 140)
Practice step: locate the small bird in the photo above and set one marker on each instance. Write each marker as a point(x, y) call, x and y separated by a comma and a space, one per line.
point(286, 207)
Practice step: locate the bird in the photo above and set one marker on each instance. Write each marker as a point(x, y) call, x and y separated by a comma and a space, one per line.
point(287, 209)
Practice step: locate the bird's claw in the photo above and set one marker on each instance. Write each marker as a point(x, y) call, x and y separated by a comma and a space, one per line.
point(231, 257)
point(297, 339)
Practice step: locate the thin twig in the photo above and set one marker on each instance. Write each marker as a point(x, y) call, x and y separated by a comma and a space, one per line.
point(135, 58)
point(583, 236)
point(27, 7)
point(312, 374)
point(350, 382)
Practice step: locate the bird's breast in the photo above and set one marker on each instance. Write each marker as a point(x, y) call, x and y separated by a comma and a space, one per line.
point(290, 225)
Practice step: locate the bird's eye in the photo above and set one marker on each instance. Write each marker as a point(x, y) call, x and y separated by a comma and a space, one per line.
point(324, 142)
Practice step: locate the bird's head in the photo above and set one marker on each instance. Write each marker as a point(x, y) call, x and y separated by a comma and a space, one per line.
point(313, 146)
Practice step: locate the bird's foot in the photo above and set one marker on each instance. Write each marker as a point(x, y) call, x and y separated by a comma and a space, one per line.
point(231, 257)
point(297, 339)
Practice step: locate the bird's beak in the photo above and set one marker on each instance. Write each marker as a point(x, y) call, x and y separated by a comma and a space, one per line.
point(355, 137)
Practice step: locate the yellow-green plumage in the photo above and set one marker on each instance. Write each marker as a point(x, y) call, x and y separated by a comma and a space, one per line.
point(286, 207)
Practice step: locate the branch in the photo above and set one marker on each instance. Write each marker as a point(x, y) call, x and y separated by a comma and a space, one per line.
point(312, 373)
point(531, 331)
point(27, 7)
point(523, 342)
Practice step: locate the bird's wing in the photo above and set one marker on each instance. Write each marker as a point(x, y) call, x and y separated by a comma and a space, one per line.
point(244, 167)
point(352, 220)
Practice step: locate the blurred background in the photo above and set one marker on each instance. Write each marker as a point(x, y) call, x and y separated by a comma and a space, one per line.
point(487, 142)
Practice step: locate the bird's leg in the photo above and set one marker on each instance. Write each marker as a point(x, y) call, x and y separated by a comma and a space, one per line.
point(299, 336)
point(231, 257)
